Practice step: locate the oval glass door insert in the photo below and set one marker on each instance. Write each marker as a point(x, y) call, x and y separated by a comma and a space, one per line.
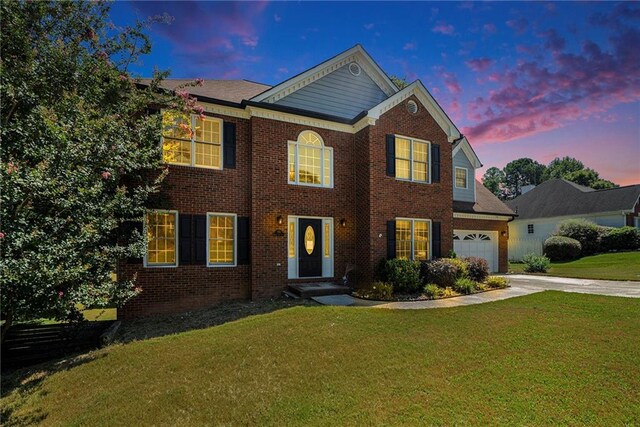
point(309, 239)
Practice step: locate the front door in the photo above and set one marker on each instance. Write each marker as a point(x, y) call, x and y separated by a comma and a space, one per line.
point(309, 247)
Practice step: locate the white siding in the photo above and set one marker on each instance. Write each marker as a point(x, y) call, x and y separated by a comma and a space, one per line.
point(338, 94)
point(464, 195)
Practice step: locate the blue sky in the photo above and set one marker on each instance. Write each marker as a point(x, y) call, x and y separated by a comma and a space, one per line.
point(525, 79)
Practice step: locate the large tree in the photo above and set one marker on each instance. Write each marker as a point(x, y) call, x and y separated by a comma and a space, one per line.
point(561, 167)
point(519, 173)
point(493, 179)
point(79, 157)
point(589, 178)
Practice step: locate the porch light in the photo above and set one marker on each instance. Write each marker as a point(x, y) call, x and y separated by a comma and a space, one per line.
point(343, 222)
point(279, 220)
point(503, 234)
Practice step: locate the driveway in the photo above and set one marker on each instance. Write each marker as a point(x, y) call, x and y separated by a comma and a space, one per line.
point(521, 284)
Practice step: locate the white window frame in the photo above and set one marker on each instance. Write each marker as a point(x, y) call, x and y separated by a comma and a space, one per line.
point(193, 145)
point(411, 220)
point(324, 151)
point(466, 178)
point(429, 162)
point(146, 263)
point(235, 240)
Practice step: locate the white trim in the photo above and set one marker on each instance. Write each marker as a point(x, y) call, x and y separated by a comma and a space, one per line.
point(396, 219)
point(146, 251)
point(411, 140)
point(417, 88)
point(577, 216)
point(466, 178)
point(468, 151)
point(354, 54)
point(235, 240)
point(299, 120)
point(324, 151)
point(481, 216)
point(327, 263)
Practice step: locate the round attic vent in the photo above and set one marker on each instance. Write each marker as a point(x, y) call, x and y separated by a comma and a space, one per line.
point(355, 69)
point(412, 107)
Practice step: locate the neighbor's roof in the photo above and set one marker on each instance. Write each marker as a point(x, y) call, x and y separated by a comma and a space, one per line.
point(224, 90)
point(486, 203)
point(559, 197)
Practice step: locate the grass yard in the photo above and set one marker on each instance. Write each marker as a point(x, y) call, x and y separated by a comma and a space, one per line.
point(611, 266)
point(544, 359)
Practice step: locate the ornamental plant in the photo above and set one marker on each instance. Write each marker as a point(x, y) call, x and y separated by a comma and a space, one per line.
point(559, 248)
point(536, 263)
point(79, 156)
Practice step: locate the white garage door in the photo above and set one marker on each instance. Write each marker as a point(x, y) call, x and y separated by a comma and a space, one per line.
point(481, 244)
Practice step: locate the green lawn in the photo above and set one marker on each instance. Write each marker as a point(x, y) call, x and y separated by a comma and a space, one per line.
point(611, 266)
point(544, 359)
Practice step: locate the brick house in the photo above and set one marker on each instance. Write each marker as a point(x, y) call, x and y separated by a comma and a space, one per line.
point(292, 183)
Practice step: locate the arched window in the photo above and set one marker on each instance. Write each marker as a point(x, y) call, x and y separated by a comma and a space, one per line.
point(310, 162)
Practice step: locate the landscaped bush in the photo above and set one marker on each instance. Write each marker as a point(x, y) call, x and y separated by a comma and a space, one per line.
point(432, 291)
point(536, 263)
point(559, 248)
point(444, 271)
point(497, 282)
point(403, 274)
point(464, 285)
point(621, 239)
point(477, 268)
point(585, 232)
point(379, 290)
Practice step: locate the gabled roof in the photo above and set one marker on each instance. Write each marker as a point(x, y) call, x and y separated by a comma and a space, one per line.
point(356, 53)
point(224, 90)
point(417, 88)
point(486, 203)
point(463, 144)
point(559, 197)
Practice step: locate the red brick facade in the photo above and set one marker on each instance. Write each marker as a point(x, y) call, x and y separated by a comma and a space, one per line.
point(363, 195)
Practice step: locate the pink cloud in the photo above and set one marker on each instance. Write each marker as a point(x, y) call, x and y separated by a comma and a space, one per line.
point(489, 28)
point(443, 28)
point(534, 98)
point(520, 25)
point(409, 46)
point(479, 64)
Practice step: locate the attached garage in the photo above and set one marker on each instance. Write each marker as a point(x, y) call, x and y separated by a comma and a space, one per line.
point(474, 243)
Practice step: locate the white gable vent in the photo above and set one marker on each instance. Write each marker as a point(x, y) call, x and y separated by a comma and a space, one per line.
point(412, 107)
point(355, 69)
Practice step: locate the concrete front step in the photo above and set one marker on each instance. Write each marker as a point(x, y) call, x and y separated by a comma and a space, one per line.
point(308, 290)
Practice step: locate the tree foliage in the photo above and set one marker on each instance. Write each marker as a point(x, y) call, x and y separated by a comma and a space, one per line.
point(79, 158)
point(400, 82)
point(508, 182)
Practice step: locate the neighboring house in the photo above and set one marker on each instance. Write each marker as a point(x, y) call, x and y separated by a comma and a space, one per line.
point(293, 183)
point(541, 209)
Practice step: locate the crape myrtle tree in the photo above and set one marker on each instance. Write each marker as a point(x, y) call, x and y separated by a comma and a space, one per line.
point(79, 159)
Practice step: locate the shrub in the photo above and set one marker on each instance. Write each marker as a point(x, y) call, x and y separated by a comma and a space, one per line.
point(379, 290)
point(448, 292)
point(535, 263)
point(497, 282)
point(620, 239)
point(432, 291)
point(559, 248)
point(444, 271)
point(477, 268)
point(403, 274)
point(464, 285)
point(585, 232)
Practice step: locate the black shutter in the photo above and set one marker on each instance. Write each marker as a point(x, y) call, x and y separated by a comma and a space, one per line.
point(199, 239)
point(391, 239)
point(435, 163)
point(139, 226)
point(391, 155)
point(185, 234)
point(229, 145)
point(436, 245)
point(243, 240)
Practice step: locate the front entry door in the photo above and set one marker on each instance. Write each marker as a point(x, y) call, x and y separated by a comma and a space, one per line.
point(309, 247)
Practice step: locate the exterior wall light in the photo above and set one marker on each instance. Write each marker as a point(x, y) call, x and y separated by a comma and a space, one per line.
point(343, 222)
point(279, 220)
point(504, 234)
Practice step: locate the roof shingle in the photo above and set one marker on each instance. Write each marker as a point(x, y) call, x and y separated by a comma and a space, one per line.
point(486, 203)
point(225, 90)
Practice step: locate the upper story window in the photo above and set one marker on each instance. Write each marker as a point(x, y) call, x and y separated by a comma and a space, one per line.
point(461, 177)
point(192, 141)
point(412, 159)
point(310, 162)
point(161, 227)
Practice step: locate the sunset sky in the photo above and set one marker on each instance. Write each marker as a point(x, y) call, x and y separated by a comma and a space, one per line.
point(536, 79)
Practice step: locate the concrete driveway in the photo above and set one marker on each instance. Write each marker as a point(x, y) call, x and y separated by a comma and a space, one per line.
point(521, 284)
point(584, 286)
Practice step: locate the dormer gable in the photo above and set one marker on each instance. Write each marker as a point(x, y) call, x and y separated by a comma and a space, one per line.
point(465, 163)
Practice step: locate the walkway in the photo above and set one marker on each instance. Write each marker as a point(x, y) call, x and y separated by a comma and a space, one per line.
point(521, 284)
